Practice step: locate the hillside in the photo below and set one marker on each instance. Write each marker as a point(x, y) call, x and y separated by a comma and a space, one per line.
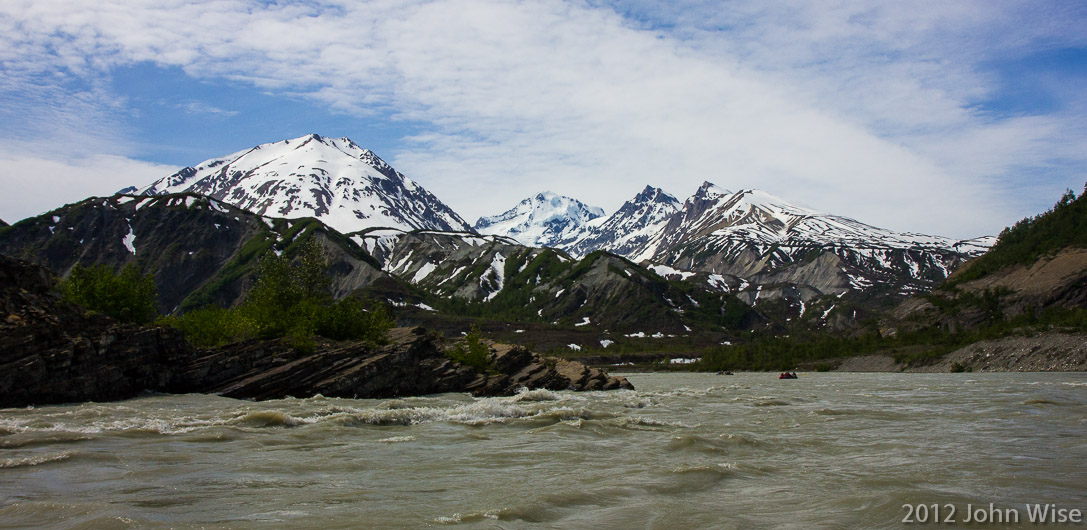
point(1026, 242)
point(1036, 270)
point(200, 250)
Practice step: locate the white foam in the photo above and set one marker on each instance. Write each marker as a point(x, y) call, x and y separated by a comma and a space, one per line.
point(33, 460)
point(397, 439)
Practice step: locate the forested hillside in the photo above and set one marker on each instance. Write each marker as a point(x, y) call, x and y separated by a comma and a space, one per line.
point(1064, 225)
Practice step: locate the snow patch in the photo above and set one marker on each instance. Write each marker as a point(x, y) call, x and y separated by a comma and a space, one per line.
point(498, 265)
point(423, 272)
point(666, 271)
point(684, 360)
point(129, 240)
point(716, 281)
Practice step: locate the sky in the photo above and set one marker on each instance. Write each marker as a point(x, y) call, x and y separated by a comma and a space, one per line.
point(949, 118)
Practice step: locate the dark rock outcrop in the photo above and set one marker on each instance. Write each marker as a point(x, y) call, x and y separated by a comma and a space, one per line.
point(54, 352)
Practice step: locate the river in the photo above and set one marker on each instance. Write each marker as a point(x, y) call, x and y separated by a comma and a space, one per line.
point(828, 450)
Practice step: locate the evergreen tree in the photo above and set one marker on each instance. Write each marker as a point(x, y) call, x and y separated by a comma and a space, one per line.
point(128, 296)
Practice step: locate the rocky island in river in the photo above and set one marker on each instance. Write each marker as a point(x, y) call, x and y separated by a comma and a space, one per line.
point(54, 352)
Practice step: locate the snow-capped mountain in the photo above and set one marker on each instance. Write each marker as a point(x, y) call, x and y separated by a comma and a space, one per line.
point(332, 179)
point(540, 221)
point(759, 218)
point(627, 231)
point(753, 234)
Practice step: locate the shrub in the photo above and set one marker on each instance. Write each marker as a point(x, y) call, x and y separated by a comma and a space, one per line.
point(472, 352)
point(128, 296)
point(212, 326)
point(351, 319)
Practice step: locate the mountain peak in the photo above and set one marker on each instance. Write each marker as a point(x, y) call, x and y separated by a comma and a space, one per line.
point(332, 179)
point(709, 190)
point(651, 194)
point(540, 220)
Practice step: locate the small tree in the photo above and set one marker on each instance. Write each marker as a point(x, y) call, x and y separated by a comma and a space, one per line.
point(287, 298)
point(128, 296)
point(472, 352)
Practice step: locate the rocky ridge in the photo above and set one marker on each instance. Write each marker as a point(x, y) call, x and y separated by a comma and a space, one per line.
point(53, 352)
point(769, 249)
point(412, 363)
point(766, 240)
point(627, 231)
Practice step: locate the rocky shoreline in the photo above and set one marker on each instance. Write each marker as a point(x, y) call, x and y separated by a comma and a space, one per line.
point(1042, 352)
point(54, 352)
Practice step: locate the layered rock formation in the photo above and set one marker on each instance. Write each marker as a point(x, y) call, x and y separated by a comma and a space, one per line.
point(411, 364)
point(53, 352)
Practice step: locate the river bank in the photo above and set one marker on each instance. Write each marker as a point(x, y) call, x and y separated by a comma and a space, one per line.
point(1041, 352)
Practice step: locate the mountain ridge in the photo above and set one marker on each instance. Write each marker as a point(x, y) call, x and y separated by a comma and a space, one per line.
point(761, 239)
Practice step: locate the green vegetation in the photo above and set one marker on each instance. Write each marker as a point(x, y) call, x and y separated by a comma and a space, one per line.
point(472, 352)
point(1033, 237)
point(128, 296)
point(288, 299)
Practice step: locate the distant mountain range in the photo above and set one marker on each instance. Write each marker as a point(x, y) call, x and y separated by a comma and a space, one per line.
point(760, 240)
point(655, 261)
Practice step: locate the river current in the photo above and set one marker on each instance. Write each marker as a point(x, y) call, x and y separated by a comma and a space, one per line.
point(682, 451)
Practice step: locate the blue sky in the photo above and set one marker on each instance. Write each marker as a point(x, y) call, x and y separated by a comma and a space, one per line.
point(948, 118)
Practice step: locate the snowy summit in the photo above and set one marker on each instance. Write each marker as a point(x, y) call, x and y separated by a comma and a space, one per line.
point(540, 221)
point(332, 179)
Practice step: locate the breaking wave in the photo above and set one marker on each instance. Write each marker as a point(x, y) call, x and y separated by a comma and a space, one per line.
point(33, 460)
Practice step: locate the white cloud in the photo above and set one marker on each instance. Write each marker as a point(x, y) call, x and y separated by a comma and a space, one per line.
point(867, 110)
point(200, 107)
point(35, 183)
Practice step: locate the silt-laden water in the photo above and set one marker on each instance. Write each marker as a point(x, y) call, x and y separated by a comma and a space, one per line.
point(682, 451)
